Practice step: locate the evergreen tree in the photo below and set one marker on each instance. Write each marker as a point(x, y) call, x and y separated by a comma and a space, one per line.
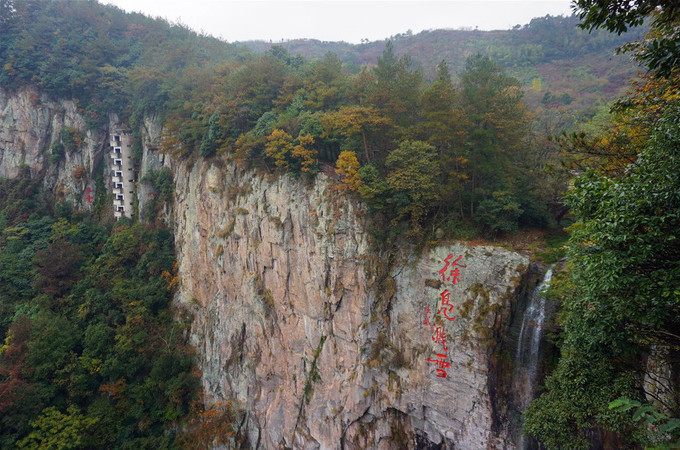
point(212, 138)
point(397, 87)
point(496, 128)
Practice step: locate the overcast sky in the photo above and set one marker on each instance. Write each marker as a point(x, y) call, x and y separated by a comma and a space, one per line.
point(341, 20)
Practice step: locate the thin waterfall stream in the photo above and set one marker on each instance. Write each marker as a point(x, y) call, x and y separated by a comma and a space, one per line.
point(528, 353)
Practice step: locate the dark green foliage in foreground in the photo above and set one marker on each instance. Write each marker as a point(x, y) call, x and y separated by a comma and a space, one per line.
point(90, 356)
point(624, 293)
point(621, 293)
point(660, 50)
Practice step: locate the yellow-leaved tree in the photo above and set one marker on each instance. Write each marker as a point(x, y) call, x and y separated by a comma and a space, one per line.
point(305, 153)
point(347, 165)
point(279, 147)
point(351, 121)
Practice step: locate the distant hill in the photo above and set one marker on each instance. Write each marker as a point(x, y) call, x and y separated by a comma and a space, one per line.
point(551, 56)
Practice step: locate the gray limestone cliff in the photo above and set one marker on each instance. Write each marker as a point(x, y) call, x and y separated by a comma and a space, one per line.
point(318, 336)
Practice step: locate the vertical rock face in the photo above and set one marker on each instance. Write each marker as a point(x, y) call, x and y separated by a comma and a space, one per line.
point(293, 320)
point(152, 162)
point(30, 124)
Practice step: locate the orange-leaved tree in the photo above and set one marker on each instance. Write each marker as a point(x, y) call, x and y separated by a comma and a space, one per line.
point(304, 153)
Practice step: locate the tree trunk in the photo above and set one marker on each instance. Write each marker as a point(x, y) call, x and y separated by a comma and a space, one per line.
point(363, 136)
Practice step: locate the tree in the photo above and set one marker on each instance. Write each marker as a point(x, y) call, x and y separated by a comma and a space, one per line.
point(19, 399)
point(443, 126)
point(348, 166)
point(350, 121)
point(442, 122)
point(325, 86)
point(58, 267)
point(496, 127)
point(413, 174)
point(397, 87)
point(499, 213)
point(255, 86)
point(621, 292)
point(212, 137)
point(56, 430)
point(294, 154)
point(304, 154)
point(373, 188)
point(146, 88)
point(279, 148)
point(52, 341)
point(618, 15)
point(660, 50)
point(624, 296)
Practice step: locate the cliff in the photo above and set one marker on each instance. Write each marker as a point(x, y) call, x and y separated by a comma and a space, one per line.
point(292, 319)
point(319, 337)
point(30, 125)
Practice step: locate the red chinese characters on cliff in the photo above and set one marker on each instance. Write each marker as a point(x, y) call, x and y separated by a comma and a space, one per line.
point(441, 364)
point(439, 337)
point(446, 307)
point(427, 317)
point(451, 273)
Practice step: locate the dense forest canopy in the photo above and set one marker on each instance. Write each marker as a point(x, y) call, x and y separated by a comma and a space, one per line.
point(283, 112)
point(542, 40)
point(571, 66)
point(92, 355)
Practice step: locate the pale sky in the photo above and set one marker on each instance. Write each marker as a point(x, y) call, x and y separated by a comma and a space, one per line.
point(341, 20)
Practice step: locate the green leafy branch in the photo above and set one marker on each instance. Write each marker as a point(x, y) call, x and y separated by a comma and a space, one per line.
point(660, 424)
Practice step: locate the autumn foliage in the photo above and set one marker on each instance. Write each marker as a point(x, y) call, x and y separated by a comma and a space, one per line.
point(348, 166)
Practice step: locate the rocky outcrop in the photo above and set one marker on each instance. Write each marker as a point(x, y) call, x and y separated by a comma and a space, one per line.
point(30, 124)
point(294, 320)
point(152, 161)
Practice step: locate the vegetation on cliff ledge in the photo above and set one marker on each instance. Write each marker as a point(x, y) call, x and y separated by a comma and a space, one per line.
point(440, 154)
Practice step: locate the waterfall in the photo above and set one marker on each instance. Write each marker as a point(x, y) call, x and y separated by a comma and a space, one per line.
point(528, 353)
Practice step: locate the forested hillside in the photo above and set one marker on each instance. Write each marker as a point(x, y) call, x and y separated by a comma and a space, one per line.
point(555, 61)
point(459, 143)
point(542, 40)
point(98, 54)
point(92, 354)
point(285, 112)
